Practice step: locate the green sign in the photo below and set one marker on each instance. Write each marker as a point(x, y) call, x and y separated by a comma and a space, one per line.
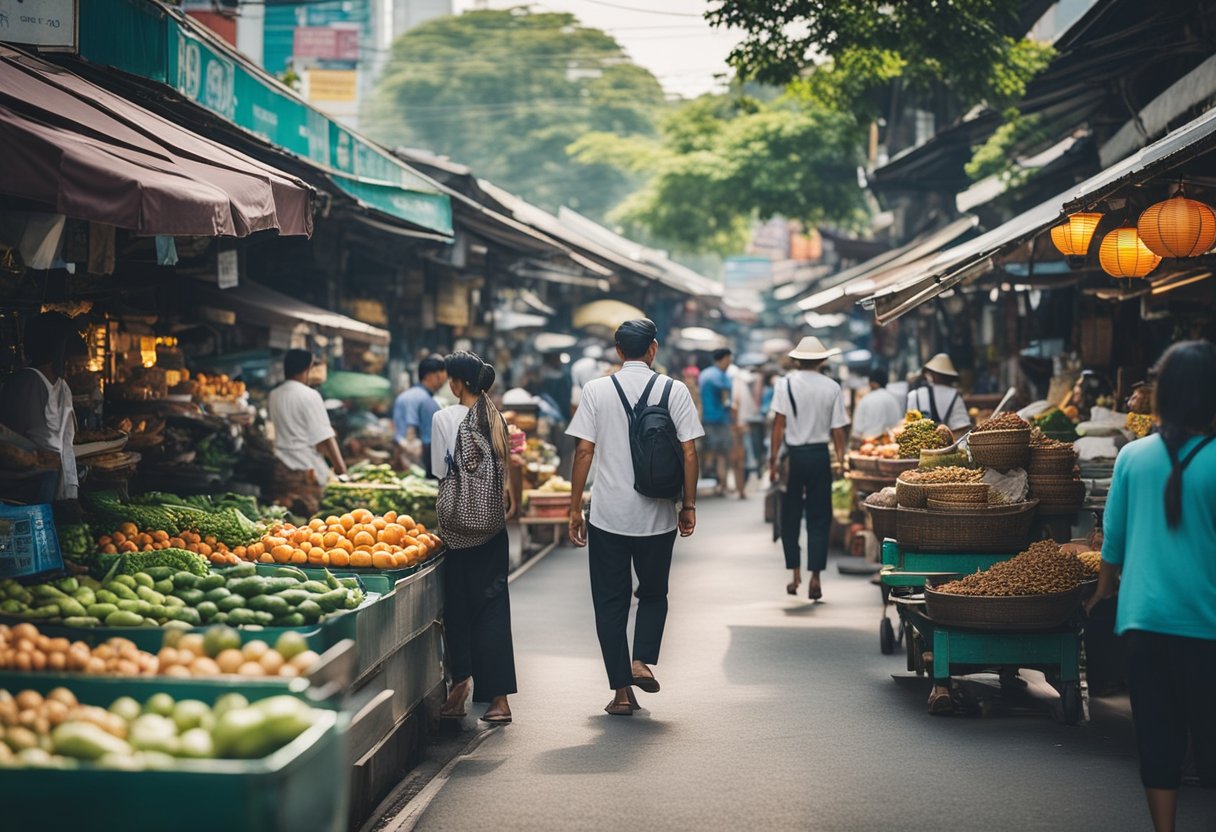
point(144, 38)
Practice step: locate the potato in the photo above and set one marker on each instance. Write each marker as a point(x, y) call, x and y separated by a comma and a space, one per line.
point(95, 666)
point(251, 669)
point(25, 645)
point(25, 630)
point(177, 671)
point(38, 660)
point(57, 661)
point(204, 666)
point(22, 661)
point(56, 712)
point(304, 661)
point(191, 642)
point(29, 700)
point(169, 656)
point(271, 662)
point(254, 650)
point(229, 661)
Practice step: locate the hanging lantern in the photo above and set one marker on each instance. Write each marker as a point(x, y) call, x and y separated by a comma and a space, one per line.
point(1178, 227)
point(1073, 237)
point(1124, 254)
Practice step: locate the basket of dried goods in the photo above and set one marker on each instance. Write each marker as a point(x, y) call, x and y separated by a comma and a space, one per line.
point(973, 529)
point(883, 515)
point(1002, 442)
point(895, 467)
point(864, 464)
point(919, 434)
point(913, 487)
point(1058, 492)
point(974, 493)
point(1037, 589)
point(1050, 457)
point(936, 504)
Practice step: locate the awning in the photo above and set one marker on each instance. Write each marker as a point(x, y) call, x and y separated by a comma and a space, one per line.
point(96, 156)
point(838, 291)
point(257, 305)
point(974, 257)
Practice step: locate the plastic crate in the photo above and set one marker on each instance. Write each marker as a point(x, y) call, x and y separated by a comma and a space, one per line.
point(303, 785)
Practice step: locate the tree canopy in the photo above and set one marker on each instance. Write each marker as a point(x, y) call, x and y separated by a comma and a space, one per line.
point(722, 161)
point(507, 92)
point(856, 47)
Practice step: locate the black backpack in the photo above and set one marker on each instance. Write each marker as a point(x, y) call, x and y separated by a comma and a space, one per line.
point(658, 456)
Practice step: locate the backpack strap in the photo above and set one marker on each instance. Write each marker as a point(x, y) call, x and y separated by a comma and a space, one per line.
point(620, 391)
point(666, 395)
point(645, 397)
point(789, 390)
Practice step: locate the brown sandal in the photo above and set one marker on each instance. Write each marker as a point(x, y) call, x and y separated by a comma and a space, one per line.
point(615, 708)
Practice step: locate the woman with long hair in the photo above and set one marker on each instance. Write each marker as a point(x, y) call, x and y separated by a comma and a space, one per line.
point(1160, 534)
point(469, 454)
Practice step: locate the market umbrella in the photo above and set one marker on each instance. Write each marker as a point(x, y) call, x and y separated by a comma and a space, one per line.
point(776, 346)
point(606, 314)
point(553, 342)
point(343, 384)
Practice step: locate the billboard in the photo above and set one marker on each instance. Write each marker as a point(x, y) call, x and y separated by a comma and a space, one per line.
point(49, 24)
point(335, 85)
point(326, 43)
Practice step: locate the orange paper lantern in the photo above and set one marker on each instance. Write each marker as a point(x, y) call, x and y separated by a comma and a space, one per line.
point(1074, 236)
point(1178, 227)
point(1124, 254)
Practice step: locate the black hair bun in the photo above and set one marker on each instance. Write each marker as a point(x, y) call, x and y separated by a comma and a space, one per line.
point(485, 379)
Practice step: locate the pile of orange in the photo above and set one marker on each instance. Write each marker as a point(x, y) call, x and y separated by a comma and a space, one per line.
point(129, 538)
point(359, 538)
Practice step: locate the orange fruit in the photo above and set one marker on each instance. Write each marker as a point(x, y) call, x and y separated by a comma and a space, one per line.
point(379, 523)
point(203, 549)
point(216, 557)
point(408, 540)
point(281, 554)
point(305, 547)
point(316, 539)
point(362, 515)
point(239, 551)
point(419, 529)
point(364, 538)
point(300, 535)
point(361, 559)
point(331, 520)
point(400, 560)
point(393, 533)
point(337, 557)
point(381, 547)
point(413, 553)
point(265, 559)
point(298, 557)
point(405, 520)
point(390, 517)
point(345, 545)
point(346, 521)
point(316, 557)
point(330, 540)
point(383, 560)
point(316, 524)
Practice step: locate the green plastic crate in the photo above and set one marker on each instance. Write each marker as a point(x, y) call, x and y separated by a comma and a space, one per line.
point(301, 786)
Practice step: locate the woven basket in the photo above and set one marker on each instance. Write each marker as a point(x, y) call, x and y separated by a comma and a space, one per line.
point(1024, 612)
point(911, 494)
point(864, 464)
point(1057, 489)
point(1052, 462)
point(979, 529)
point(935, 504)
point(975, 493)
point(1000, 449)
point(883, 520)
point(895, 467)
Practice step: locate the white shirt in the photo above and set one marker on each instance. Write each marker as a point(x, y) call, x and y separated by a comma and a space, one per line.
point(582, 371)
point(44, 413)
point(616, 507)
point(820, 407)
point(300, 424)
point(950, 405)
point(877, 412)
point(743, 397)
point(444, 426)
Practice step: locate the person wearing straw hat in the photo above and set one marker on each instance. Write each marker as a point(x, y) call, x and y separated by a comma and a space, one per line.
point(809, 412)
point(938, 399)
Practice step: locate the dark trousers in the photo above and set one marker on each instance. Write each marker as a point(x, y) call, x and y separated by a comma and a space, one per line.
point(808, 491)
point(477, 617)
point(611, 585)
point(1172, 681)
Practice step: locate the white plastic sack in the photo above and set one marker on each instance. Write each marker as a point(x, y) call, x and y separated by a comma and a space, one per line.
point(1010, 487)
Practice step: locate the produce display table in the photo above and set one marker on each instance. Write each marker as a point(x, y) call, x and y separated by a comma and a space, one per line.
point(527, 522)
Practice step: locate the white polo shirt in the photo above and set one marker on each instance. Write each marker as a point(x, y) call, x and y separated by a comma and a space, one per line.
point(950, 405)
point(616, 507)
point(300, 424)
point(877, 412)
point(820, 407)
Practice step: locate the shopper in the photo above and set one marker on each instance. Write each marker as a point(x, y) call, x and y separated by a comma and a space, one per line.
point(304, 439)
point(469, 454)
point(744, 410)
point(1160, 534)
point(626, 527)
point(1093, 389)
point(37, 402)
point(715, 413)
point(878, 411)
point(809, 410)
point(415, 408)
point(938, 397)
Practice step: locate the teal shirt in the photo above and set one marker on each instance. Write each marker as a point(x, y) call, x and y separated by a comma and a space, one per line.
point(1169, 575)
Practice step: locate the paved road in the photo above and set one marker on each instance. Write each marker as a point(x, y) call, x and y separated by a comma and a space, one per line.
point(774, 714)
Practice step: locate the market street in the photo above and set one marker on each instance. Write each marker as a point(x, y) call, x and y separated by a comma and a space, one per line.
point(774, 714)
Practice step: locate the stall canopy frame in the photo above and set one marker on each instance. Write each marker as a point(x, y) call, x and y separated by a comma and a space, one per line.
point(976, 256)
point(258, 305)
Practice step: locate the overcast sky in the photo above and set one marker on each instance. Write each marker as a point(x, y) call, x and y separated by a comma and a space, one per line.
point(668, 37)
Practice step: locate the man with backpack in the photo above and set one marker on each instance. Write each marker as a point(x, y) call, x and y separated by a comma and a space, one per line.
point(641, 429)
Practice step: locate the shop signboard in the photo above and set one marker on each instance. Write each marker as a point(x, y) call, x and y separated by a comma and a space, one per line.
point(325, 43)
point(452, 307)
point(47, 24)
point(333, 85)
point(227, 269)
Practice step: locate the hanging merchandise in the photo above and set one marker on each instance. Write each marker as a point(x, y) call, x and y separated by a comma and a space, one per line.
point(1124, 254)
point(41, 240)
point(1178, 227)
point(166, 251)
point(102, 251)
point(1073, 237)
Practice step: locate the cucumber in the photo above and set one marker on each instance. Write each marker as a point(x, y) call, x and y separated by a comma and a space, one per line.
point(217, 594)
point(293, 619)
point(143, 579)
point(317, 587)
point(232, 602)
point(272, 604)
point(248, 587)
point(137, 606)
point(126, 580)
point(187, 614)
point(105, 596)
point(265, 619)
point(238, 617)
point(241, 570)
point(192, 597)
point(159, 573)
point(81, 621)
point(101, 610)
point(124, 618)
point(330, 580)
point(295, 596)
point(350, 583)
point(174, 601)
point(164, 587)
point(273, 585)
point(211, 581)
point(150, 595)
point(186, 580)
point(310, 610)
point(207, 610)
point(333, 599)
point(291, 572)
point(123, 592)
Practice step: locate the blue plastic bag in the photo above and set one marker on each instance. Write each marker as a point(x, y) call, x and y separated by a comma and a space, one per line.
point(28, 542)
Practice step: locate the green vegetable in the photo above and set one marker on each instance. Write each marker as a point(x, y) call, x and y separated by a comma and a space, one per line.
point(176, 559)
point(191, 713)
point(101, 610)
point(160, 703)
point(291, 572)
point(207, 610)
point(141, 578)
point(241, 570)
point(262, 618)
point(218, 639)
point(105, 596)
point(289, 645)
point(228, 702)
point(332, 600)
point(164, 587)
point(310, 610)
point(150, 595)
point(70, 607)
point(159, 573)
point(211, 582)
point(295, 596)
point(293, 619)
point(125, 707)
point(232, 602)
point(240, 617)
point(248, 587)
point(272, 585)
point(318, 587)
point(68, 585)
point(186, 580)
point(123, 618)
point(154, 731)
point(217, 594)
point(241, 733)
point(190, 596)
point(86, 741)
point(81, 621)
point(196, 743)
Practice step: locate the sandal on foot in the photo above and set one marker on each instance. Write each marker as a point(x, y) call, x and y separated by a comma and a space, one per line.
point(633, 700)
point(615, 708)
point(791, 588)
point(646, 683)
point(814, 592)
point(496, 719)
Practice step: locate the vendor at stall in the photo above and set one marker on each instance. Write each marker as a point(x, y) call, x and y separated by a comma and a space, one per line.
point(879, 409)
point(414, 410)
point(303, 438)
point(938, 398)
point(37, 402)
point(1091, 390)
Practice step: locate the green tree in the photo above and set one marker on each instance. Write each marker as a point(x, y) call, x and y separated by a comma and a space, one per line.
point(857, 47)
point(721, 162)
point(507, 92)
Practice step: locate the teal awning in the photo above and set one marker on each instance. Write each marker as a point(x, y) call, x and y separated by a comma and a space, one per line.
point(149, 39)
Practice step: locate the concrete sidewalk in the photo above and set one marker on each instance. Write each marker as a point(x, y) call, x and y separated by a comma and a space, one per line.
point(774, 714)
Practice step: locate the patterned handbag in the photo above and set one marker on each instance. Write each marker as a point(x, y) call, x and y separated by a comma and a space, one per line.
point(471, 504)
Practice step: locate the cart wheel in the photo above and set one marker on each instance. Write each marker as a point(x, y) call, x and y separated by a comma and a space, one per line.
point(1070, 703)
point(886, 636)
